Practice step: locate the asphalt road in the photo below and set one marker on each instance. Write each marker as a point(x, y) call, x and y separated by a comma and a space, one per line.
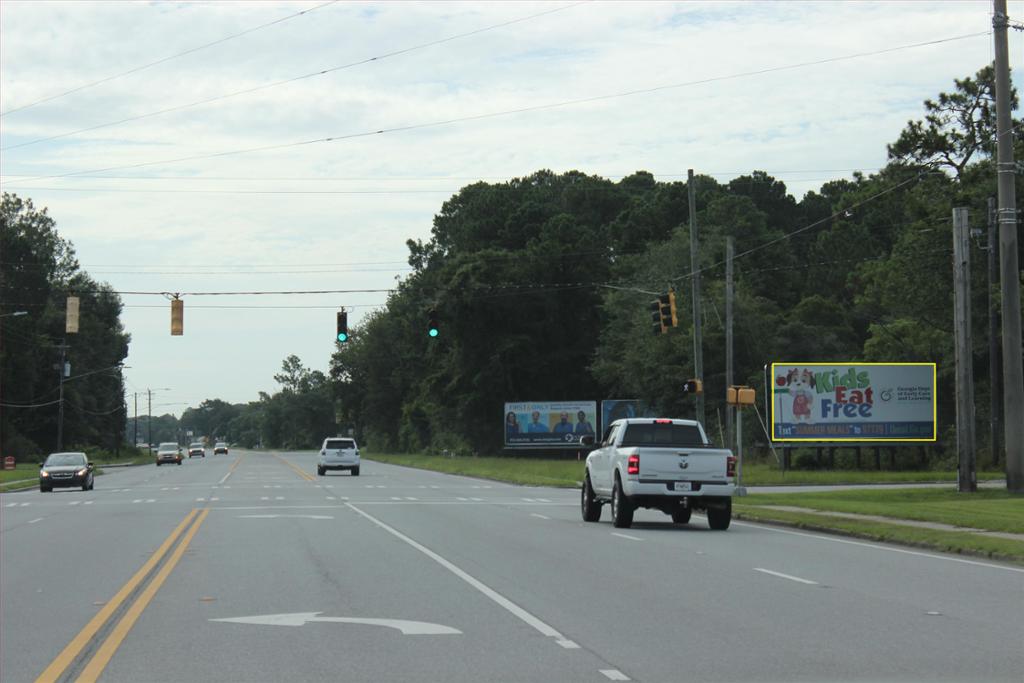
point(250, 568)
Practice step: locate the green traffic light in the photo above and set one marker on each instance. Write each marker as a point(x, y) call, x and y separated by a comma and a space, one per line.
point(342, 336)
point(433, 332)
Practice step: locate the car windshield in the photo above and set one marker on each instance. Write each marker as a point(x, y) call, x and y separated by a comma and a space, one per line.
point(65, 459)
point(669, 435)
point(168, 446)
point(340, 444)
point(196, 445)
point(221, 444)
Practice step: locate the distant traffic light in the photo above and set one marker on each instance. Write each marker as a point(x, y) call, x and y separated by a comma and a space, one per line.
point(693, 386)
point(342, 326)
point(177, 317)
point(433, 328)
point(672, 307)
point(656, 321)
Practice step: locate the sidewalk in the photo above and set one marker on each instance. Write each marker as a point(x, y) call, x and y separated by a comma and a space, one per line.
point(893, 520)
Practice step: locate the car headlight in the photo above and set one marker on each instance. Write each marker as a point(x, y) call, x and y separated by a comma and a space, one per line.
point(82, 471)
point(44, 473)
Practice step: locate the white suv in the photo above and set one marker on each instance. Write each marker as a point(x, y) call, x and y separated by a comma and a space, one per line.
point(338, 453)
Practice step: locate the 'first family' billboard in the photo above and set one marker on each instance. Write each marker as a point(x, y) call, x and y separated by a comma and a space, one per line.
point(539, 424)
point(853, 402)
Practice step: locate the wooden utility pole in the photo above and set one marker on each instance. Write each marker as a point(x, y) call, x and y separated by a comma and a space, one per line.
point(698, 354)
point(965, 444)
point(1009, 268)
point(730, 252)
point(994, 364)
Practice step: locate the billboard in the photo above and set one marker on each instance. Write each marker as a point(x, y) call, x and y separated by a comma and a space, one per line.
point(853, 402)
point(616, 409)
point(549, 424)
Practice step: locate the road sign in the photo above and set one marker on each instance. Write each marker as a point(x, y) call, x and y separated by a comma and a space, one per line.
point(408, 628)
point(9, 462)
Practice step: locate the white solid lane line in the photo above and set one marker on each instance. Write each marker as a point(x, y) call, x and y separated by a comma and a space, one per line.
point(879, 547)
point(517, 611)
point(786, 576)
point(632, 538)
point(615, 675)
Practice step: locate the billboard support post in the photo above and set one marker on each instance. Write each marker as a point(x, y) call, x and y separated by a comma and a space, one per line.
point(965, 445)
point(730, 292)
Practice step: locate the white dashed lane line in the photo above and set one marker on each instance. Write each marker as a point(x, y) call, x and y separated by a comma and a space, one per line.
point(614, 675)
point(632, 538)
point(534, 514)
point(37, 519)
point(786, 576)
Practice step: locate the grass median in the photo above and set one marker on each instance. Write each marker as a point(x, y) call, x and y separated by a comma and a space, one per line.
point(568, 473)
point(988, 510)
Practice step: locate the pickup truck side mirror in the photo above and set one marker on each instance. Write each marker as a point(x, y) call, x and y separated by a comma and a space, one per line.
point(91, 466)
point(587, 440)
point(40, 465)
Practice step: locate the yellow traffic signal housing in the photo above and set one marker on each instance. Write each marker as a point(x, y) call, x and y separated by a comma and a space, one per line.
point(693, 386)
point(739, 395)
point(177, 317)
point(672, 307)
point(71, 315)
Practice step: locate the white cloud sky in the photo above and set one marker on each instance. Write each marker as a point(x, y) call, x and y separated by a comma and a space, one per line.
point(798, 125)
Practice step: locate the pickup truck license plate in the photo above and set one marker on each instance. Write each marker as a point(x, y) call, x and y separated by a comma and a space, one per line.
point(682, 486)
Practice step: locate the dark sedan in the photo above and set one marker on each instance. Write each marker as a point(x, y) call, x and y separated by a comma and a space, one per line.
point(65, 469)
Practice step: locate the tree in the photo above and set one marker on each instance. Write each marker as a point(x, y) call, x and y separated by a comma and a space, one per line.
point(958, 127)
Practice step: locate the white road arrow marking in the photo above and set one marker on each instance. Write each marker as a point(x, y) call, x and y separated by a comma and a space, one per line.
point(408, 628)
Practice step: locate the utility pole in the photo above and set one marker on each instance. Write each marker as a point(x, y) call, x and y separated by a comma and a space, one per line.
point(135, 439)
point(967, 481)
point(730, 252)
point(698, 355)
point(994, 365)
point(149, 416)
point(62, 372)
point(1009, 268)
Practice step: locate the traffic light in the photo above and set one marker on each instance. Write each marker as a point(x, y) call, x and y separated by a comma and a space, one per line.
point(342, 326)
point(665, 309)
point(71, 315)
point(672, 307)
point(657, 327)
point(177, 317)
point(433, 329)
point(693, 386)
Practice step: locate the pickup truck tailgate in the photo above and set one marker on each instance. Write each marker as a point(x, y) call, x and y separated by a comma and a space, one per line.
point(683, 464)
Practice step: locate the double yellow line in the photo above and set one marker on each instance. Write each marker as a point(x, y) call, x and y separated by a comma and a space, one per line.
point(297, 470)
point(101, 658)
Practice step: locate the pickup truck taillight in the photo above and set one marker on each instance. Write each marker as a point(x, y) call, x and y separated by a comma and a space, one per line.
point(633, 464)
point(730, 466)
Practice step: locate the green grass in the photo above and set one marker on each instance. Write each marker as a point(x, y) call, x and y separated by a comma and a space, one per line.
point(531, 472)
point(943, 541)
point(23, 470)
point(989, 509)
point(765, 474)
point(568, 473)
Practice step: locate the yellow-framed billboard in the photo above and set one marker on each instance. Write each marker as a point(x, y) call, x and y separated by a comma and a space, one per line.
point(872, 402)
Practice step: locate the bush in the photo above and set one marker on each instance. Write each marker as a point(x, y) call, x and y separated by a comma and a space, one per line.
point(22, 448)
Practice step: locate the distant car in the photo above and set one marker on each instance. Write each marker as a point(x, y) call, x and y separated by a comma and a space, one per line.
point(196, 448)
point(338, 454)
point(168, 451)
point(65, 469)
point(220, 447)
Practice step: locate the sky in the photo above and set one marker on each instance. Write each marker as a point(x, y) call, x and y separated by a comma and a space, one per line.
point(246, 168)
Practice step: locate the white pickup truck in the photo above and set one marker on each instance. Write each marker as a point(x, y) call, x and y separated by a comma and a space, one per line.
point(658, 463)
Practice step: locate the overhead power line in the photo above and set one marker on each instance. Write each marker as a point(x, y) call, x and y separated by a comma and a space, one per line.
point(165, 59)
point(507, 112)
point(267, 86)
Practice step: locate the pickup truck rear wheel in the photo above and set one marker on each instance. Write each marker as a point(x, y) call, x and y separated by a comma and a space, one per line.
point(622, 508)
point(720, 514)
point(681, 515)
point(591, 508)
